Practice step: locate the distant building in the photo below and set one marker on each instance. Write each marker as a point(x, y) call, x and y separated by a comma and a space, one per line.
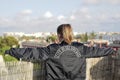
point(29, 44)
point(15, 34)
point(20, 34)
point(115, 44)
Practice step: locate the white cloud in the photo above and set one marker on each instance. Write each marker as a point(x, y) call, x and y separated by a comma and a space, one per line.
point(103, 17)
point(84, 10)
point(102, 1)
point(48, 14)
point(114, 1)
point(61, 17)
point(72, 17)
point(117, 15)
point(26, 12)
point(5, 21)
point(81, 20)
point(82, 14)
point(91, 1)
point(88, 16)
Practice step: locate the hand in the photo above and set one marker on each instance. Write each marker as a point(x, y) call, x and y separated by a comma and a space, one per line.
point(115, 52)
point(6, 52)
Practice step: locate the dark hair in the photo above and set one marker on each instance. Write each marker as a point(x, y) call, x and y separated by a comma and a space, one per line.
point(65, 30)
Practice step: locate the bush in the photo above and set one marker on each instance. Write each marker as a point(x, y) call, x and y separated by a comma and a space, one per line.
point(5, 44)
point(9, 58)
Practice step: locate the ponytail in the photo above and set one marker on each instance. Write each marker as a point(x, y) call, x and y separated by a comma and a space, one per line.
point(66, 32)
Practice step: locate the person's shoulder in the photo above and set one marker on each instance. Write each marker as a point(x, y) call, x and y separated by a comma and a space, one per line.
point(53, 45)
point(77, 43)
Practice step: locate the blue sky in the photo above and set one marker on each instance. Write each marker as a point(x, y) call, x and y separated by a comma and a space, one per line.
point(45, 15)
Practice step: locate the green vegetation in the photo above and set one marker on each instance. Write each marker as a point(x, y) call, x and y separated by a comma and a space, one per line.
point(52, 38)
point(100, 36)
point(5, 44)
point(9, 58)
point(84, 37)
point(92, 35)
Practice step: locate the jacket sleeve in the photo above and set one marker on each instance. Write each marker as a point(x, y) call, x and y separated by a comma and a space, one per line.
point(29, 54)
point(90, 52)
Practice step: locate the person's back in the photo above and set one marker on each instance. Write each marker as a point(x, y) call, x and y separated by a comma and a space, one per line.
point(64, 61)
point(66, 64)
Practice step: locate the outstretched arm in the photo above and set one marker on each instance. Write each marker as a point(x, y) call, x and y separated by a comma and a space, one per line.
point(29, 54)
point(96, 51)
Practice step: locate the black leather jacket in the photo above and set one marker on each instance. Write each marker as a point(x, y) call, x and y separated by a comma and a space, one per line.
point(60, 66)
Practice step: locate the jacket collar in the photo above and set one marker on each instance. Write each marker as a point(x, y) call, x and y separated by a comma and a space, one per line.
point(64, 43)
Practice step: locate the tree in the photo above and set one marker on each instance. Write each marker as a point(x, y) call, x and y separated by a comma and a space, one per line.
point(84, 37)
point(78, 36)
point(92, 35)
point(100, 36)
point(0, 42)
point(52, 38)
point(5, 44)
point(9, 41)
point(25, 38)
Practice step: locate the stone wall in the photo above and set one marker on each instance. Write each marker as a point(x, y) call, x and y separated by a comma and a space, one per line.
point(102, 68)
